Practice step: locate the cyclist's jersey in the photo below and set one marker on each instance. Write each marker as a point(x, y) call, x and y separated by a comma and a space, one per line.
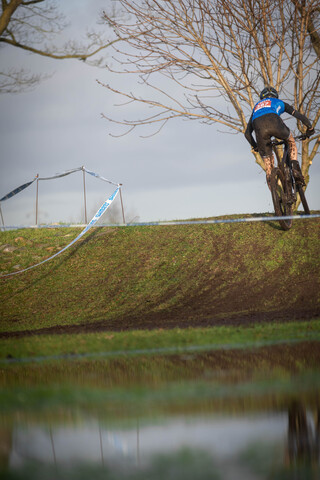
point(270, 126)
point(268, 105)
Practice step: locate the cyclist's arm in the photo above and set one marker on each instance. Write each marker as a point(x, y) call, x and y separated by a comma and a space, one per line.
point(248, 134)
point(289, 109)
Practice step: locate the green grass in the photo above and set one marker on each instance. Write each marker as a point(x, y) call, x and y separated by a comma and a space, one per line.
point(157, 341)
point(141, 278)
point(190, 272)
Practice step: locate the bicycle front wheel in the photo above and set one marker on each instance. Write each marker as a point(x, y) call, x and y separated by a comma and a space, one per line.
point(279, 192)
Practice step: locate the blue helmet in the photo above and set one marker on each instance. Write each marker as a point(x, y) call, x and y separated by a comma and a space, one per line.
point(269, 92)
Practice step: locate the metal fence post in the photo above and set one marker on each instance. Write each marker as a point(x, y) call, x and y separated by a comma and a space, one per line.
point(120, 185)
point(2, 217)
point(37, 197)
point(84, 195)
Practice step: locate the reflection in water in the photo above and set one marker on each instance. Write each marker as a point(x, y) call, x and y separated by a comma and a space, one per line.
point(213, 415)
point(221, 437)
point(303, 436)
point(5, 446)
point(255, 443)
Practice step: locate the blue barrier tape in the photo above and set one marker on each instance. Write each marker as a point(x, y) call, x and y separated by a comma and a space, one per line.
point(222, 220)
point(96, 175)
point(57, 175)
point(97, 216)
point(60, 175)
point(17, 190)
point(178, 222)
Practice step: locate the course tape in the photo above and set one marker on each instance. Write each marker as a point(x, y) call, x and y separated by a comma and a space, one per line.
point(221, 220)
point(98, 215)
point(17, 190)
point(169, 223)
point(96, 175)
point(60, 175)
point(67, 172)
point(57, 175)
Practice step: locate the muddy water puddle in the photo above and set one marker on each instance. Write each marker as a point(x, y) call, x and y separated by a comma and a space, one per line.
point(162, 417)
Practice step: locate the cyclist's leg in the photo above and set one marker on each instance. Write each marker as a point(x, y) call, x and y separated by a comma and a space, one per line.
point(266, 127)
point(293, 153)
point(269, 164)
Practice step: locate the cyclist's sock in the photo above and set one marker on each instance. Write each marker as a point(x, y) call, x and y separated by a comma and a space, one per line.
point(269, 164)
point(293, 151)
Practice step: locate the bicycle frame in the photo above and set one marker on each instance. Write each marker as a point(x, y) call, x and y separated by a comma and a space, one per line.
point(284, 187)
point(285, 161)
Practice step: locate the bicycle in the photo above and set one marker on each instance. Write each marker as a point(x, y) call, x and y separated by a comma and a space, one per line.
point(284, 186)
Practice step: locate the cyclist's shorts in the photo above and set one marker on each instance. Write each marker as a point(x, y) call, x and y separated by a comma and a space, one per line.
point(267, 126)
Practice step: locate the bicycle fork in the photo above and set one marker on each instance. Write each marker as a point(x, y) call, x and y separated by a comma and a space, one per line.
point(291, 193)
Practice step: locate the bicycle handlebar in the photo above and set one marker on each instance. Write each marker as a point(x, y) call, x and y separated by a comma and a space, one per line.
point(304, 136)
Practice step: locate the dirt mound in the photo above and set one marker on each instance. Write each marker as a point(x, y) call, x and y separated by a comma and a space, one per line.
point(163, 277)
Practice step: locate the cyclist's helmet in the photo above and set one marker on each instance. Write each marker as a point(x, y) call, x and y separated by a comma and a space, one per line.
point(269, 92)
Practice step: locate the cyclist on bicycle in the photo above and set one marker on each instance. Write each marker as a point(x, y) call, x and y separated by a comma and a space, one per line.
point(265, 121)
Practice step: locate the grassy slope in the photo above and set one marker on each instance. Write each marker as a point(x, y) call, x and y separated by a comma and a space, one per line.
point(152, 274)
point(145, 276)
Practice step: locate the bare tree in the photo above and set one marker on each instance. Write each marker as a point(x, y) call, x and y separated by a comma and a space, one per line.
point(207, 60)
point(312, 24)
point(29, 25)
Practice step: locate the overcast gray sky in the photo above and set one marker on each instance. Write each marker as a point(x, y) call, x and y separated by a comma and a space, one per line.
point(188, 170)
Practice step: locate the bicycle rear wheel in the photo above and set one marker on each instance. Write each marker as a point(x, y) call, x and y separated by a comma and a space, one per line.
point(303, 199)
point(280, 198)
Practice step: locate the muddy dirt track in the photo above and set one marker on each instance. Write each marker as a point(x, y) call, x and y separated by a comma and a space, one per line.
point(163, 321)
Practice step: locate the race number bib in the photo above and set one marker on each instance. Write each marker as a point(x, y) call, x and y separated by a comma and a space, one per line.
point(262, 104)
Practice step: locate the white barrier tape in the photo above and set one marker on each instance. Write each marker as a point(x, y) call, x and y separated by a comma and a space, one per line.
point(60, 175)
point(226, 220)
point(179, 222)
point(99, 213)
point(96, 175)
point(57, 175)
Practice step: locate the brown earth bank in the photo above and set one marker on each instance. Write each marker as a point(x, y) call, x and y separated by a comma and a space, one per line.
point(163, 321)
point(151, 278)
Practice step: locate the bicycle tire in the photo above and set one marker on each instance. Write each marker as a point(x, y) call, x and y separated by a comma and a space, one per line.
point(279, 198)
point(303, 199)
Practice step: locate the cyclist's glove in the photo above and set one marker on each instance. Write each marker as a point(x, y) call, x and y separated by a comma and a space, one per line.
point(310, 131)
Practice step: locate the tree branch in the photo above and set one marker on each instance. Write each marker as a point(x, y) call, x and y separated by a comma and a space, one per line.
point(80, 56)
point(28, 25)
point(209, 51)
